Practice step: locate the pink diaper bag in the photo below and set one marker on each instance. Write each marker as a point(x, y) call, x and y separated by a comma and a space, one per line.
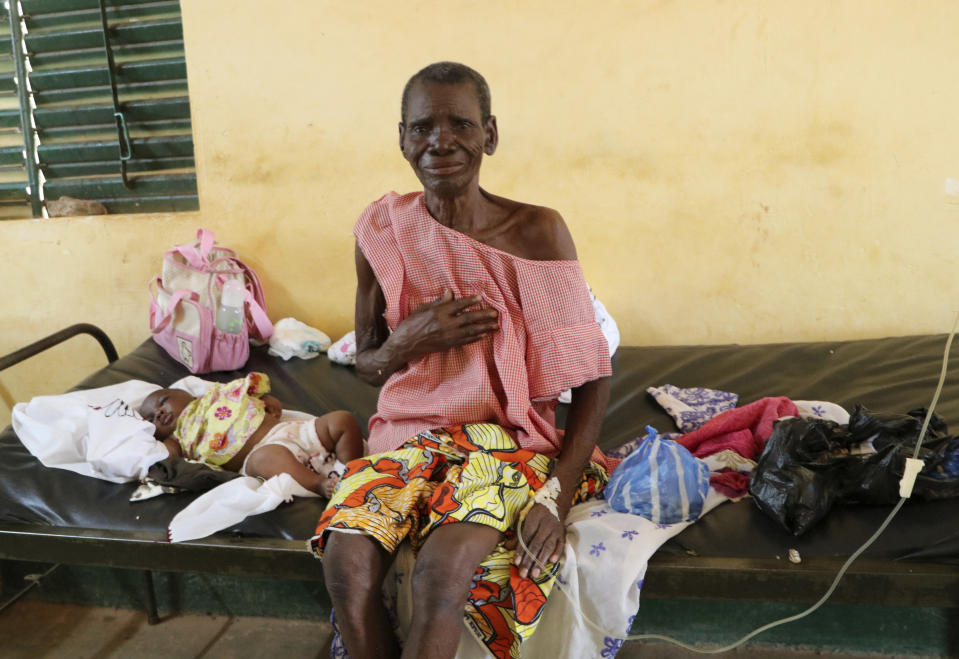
point(183, 303)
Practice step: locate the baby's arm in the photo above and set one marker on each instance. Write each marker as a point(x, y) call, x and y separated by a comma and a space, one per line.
point(173, 446)
point(340, 434)
point(273, 406)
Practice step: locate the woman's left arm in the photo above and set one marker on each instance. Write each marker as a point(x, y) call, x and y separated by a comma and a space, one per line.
point(544, 533)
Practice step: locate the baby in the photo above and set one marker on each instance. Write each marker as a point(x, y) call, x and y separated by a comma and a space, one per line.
point(236, 426)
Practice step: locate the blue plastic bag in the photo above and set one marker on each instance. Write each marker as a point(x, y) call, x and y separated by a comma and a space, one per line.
point(661, 481)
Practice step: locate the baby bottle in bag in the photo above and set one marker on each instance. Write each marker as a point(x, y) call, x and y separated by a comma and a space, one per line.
point(229, 314)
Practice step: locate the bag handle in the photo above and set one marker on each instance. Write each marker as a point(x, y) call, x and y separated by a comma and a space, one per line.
point(253, 284)
point(260, 320)
point(198, 258)
point(256, 301)
point(171, 304)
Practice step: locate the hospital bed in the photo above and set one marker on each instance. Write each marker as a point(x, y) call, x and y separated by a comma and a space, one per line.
point(734, 552)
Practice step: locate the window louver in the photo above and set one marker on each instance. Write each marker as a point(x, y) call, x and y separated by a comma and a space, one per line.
point(112, 111)
point(17, 197)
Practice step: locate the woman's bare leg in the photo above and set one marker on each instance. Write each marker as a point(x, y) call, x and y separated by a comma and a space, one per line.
point(354, 566)
point(441, 581)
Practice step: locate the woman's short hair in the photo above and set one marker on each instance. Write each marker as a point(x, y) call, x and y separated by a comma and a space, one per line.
point(450, 73)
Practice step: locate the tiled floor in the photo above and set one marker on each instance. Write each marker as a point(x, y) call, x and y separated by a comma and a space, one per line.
point(34, 629)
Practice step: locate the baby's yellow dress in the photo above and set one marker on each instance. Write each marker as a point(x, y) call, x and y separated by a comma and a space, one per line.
point(214, 427)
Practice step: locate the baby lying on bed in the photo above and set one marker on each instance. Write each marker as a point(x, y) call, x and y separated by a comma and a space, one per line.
point(236, 426)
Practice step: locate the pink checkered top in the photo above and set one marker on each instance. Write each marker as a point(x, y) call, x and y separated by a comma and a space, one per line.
point(548, 339)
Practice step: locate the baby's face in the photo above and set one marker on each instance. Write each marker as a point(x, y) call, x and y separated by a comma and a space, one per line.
point(162, 408)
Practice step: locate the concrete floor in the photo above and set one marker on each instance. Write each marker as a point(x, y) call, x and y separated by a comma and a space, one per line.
point(77, 611)
point(30, 630)
point(35, 629)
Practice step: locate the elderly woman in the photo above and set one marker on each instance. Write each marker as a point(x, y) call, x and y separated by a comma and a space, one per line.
point(473, 315)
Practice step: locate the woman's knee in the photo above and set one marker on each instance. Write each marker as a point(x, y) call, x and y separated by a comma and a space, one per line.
point(353, 567)
point(445, 566)
point(440, 585)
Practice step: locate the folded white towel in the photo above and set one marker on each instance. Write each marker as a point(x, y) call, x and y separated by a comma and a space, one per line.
point(293, 338)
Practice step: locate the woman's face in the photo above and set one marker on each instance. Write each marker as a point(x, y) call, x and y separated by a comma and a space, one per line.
point(444, 137)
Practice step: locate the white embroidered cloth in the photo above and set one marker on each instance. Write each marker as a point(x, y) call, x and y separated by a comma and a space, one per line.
point(95, 432)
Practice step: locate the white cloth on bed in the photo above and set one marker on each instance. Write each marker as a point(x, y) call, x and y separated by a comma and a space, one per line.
point(95, 432)
point(603, 570)
point(231, 503)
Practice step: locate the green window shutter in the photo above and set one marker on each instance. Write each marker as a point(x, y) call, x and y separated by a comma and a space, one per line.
point(16, 171)
point(83, 149)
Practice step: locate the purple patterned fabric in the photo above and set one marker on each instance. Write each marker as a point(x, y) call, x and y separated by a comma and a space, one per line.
point(691, 408)
point(337, 649)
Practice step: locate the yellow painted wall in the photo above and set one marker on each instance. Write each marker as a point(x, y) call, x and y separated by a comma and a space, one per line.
point(747, 171)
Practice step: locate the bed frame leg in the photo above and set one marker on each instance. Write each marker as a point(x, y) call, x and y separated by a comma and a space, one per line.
point(952, 638)
point(151, 601)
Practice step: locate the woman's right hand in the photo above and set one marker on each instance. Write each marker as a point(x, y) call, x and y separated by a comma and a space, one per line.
point(435, 326)
point(444, 323)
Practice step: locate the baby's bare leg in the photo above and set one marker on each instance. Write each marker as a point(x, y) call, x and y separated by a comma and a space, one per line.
point(268, 461)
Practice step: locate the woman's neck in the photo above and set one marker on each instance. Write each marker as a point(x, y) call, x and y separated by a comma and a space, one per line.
point(461, 212)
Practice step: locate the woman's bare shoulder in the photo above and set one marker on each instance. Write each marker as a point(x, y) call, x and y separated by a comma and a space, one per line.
point(537, 233)
point(544, 235)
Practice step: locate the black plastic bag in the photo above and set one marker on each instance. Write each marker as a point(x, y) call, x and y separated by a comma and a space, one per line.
point(796, 480)
point(895, 436)
point(809, 465)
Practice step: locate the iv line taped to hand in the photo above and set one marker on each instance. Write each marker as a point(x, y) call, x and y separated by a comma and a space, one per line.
point(546, 495)
point(913, 466)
